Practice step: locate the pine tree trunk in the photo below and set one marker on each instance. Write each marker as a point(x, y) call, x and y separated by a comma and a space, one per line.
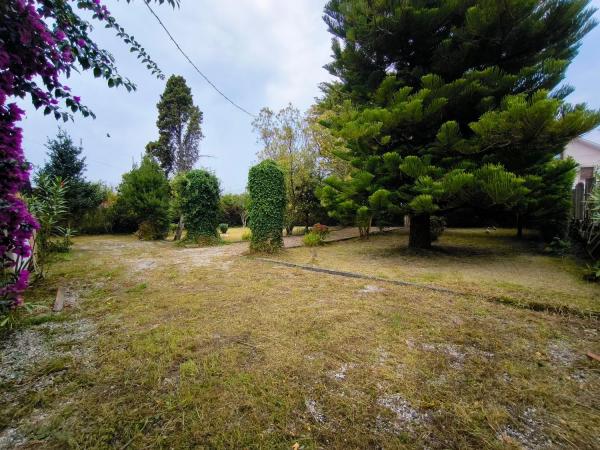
point(420, 234)
point(179, 228)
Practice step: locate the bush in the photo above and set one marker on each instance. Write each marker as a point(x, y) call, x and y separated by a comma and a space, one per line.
point(64, 244)
point(122, 218)
point(321, 230)
point(200, 206)
point(592, 272)
point(96, 221)
point(149, 231)
point(223, 227)
point(246, 235)
point(266, 188)
point(558, 246)
point(144, 200)
point(437, 225)
point(553, 198)
point(316, 236)
point(313, 239)
point(48, 205)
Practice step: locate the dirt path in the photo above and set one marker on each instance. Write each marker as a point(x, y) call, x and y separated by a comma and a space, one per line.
point(143, 257)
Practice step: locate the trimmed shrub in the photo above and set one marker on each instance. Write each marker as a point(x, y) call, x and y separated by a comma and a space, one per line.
point(266, 187)
point(223, 227)
point(200, 206)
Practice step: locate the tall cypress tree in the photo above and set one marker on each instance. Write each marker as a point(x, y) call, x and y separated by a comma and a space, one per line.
point(180, 132)
point(426, 89)
point(179, 127)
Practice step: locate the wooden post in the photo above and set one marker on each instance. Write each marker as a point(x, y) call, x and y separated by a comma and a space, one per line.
point(59, 302)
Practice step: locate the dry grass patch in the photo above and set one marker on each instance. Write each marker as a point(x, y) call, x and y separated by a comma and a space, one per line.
point(237, 353)
point(470, 261)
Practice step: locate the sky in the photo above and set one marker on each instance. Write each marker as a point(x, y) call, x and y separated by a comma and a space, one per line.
point(259, 52)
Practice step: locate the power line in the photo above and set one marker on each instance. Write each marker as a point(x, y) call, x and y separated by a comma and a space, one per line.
point(192, 63)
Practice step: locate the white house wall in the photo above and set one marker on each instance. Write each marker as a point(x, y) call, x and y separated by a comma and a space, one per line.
point(586, 153)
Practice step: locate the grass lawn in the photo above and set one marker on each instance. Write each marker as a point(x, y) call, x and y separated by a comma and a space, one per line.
point(466, 260)
point(170, 347)
point(234, 234)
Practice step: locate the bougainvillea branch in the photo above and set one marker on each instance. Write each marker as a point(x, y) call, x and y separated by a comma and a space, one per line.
point(41, 42)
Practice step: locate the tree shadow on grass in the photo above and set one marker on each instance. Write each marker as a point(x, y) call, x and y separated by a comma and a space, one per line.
point(472, 247)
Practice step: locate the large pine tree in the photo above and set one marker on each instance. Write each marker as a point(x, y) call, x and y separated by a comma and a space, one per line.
point(450, 103)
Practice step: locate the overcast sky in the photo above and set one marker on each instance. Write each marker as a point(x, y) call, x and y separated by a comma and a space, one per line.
point(259, 52)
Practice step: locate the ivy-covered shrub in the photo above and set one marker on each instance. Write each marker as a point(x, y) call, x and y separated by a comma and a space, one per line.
point(266, 188)
point(200, 206)
point(144, 198)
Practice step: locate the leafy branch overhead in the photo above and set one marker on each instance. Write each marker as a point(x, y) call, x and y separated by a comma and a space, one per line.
point(52, 39)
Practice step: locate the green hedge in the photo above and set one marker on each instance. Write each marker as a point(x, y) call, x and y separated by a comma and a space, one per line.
point(200, 206)
point(266, 187)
